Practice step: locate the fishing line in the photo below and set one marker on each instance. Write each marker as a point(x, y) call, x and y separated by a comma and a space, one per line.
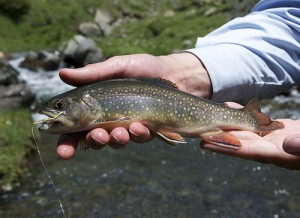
point(46, 171)
point(48, 119)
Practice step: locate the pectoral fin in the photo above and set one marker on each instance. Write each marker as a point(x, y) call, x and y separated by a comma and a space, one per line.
point(221, 138)
point(170, 137)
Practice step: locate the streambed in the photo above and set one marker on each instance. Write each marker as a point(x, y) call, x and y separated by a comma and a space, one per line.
point(153, 180)
point(157, 180)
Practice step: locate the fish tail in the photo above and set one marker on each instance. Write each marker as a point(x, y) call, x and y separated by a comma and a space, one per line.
point(265, 124)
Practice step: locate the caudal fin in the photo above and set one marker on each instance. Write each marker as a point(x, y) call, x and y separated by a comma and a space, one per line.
point(265, 124)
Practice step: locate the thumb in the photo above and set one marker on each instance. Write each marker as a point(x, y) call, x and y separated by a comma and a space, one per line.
point(138, 65)
point(291, 144)
point(113, 67)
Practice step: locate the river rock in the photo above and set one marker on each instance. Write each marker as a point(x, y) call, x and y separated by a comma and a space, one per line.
point(2, 55)
point(89, 29)
point(12, 93)
point(14, 96)
point(81, 51)
point(44, 60)
point(7, 74)
point(104, 20)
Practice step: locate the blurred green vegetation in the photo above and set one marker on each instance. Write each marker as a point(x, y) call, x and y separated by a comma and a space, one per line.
point(240, 7)
point(15, 144)
point(14, 9)
point(47, 24)
point(160, 35)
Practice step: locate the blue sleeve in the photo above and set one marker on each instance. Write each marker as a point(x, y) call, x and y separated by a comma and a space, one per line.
point(256, 56)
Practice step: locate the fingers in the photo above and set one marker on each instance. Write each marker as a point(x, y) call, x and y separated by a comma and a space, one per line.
point(139, 133)
point(98, 138)
point(118, 137)
point(66, 146)
point(291, 145)
point(263, 149)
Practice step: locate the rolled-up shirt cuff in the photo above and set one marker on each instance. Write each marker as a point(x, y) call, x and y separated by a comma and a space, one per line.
point(236, 73)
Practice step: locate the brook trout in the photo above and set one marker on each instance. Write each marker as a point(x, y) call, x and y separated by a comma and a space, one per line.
point(168, 112)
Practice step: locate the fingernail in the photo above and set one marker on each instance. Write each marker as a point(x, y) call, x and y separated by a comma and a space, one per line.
point(96, 144)
point(98, 140)
point(292, 145)
point(118, 141)
point(133, 133)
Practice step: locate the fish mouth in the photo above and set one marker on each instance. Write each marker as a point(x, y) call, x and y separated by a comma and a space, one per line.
point(55, 122)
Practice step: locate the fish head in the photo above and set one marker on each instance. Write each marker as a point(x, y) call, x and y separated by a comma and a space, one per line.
point(66, 114)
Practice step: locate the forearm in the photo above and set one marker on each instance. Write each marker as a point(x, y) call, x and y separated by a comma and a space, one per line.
point(256, 56)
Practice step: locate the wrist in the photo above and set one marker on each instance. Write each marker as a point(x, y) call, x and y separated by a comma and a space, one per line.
point(188, 72)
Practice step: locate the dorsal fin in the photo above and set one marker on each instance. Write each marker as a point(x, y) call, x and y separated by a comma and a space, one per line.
point(158, 81)
point(254, 108)
point(169, 83)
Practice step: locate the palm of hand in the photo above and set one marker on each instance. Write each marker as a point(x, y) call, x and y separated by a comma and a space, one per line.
point(266, 149)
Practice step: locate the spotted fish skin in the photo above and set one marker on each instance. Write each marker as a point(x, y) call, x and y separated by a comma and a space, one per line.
point(158, 104)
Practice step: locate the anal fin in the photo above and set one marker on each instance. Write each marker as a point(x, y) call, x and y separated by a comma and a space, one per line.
point(221, 138)
point(171, 138)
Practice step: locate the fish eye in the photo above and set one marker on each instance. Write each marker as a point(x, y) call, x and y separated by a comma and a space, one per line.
point(59, 104)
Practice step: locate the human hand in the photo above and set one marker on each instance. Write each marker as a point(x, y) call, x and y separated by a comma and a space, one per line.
point(280, 147)
point(183, 69)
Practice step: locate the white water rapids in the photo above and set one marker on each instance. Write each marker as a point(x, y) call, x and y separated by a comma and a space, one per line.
point(43, 84)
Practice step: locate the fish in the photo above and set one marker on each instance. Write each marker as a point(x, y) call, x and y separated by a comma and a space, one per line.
point(170, 114)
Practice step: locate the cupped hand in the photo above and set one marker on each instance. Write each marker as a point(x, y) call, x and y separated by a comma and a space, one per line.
point(280, 147)
point(183, 69)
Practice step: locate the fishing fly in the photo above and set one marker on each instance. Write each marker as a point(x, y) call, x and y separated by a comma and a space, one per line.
point(42, 161)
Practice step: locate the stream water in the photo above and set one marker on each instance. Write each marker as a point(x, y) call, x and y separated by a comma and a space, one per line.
point(157, 180)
